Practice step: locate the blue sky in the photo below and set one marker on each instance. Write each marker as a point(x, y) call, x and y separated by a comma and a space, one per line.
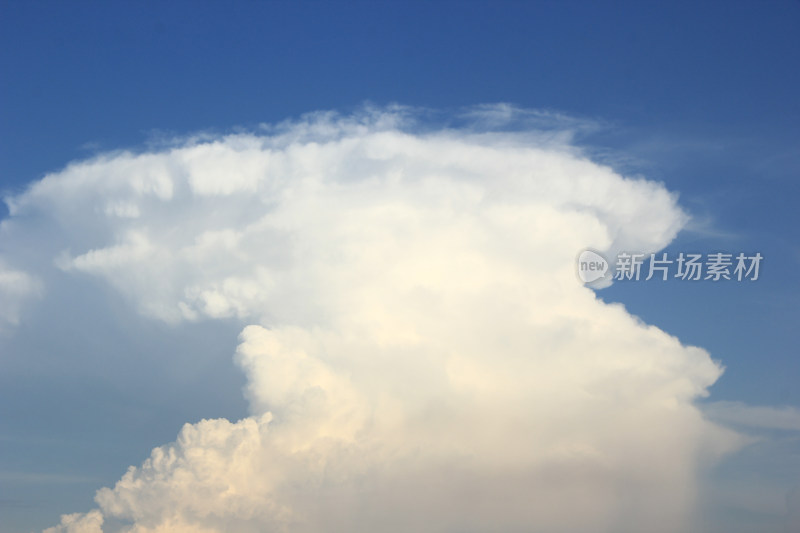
point(699, 96)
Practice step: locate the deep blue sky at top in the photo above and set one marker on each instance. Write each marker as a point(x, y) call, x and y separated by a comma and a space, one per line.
point(108, 72)
point(705, 94)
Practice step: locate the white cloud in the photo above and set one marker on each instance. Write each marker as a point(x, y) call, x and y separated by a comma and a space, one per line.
point(16, 288)
point(421, 354)
point(91, 522)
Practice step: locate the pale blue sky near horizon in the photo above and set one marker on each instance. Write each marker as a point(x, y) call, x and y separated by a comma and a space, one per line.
point(702, 96)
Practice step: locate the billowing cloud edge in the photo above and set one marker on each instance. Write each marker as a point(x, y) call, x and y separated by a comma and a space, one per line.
point(420, 355)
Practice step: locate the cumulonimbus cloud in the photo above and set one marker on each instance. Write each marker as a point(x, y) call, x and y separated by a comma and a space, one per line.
point(420, 354)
